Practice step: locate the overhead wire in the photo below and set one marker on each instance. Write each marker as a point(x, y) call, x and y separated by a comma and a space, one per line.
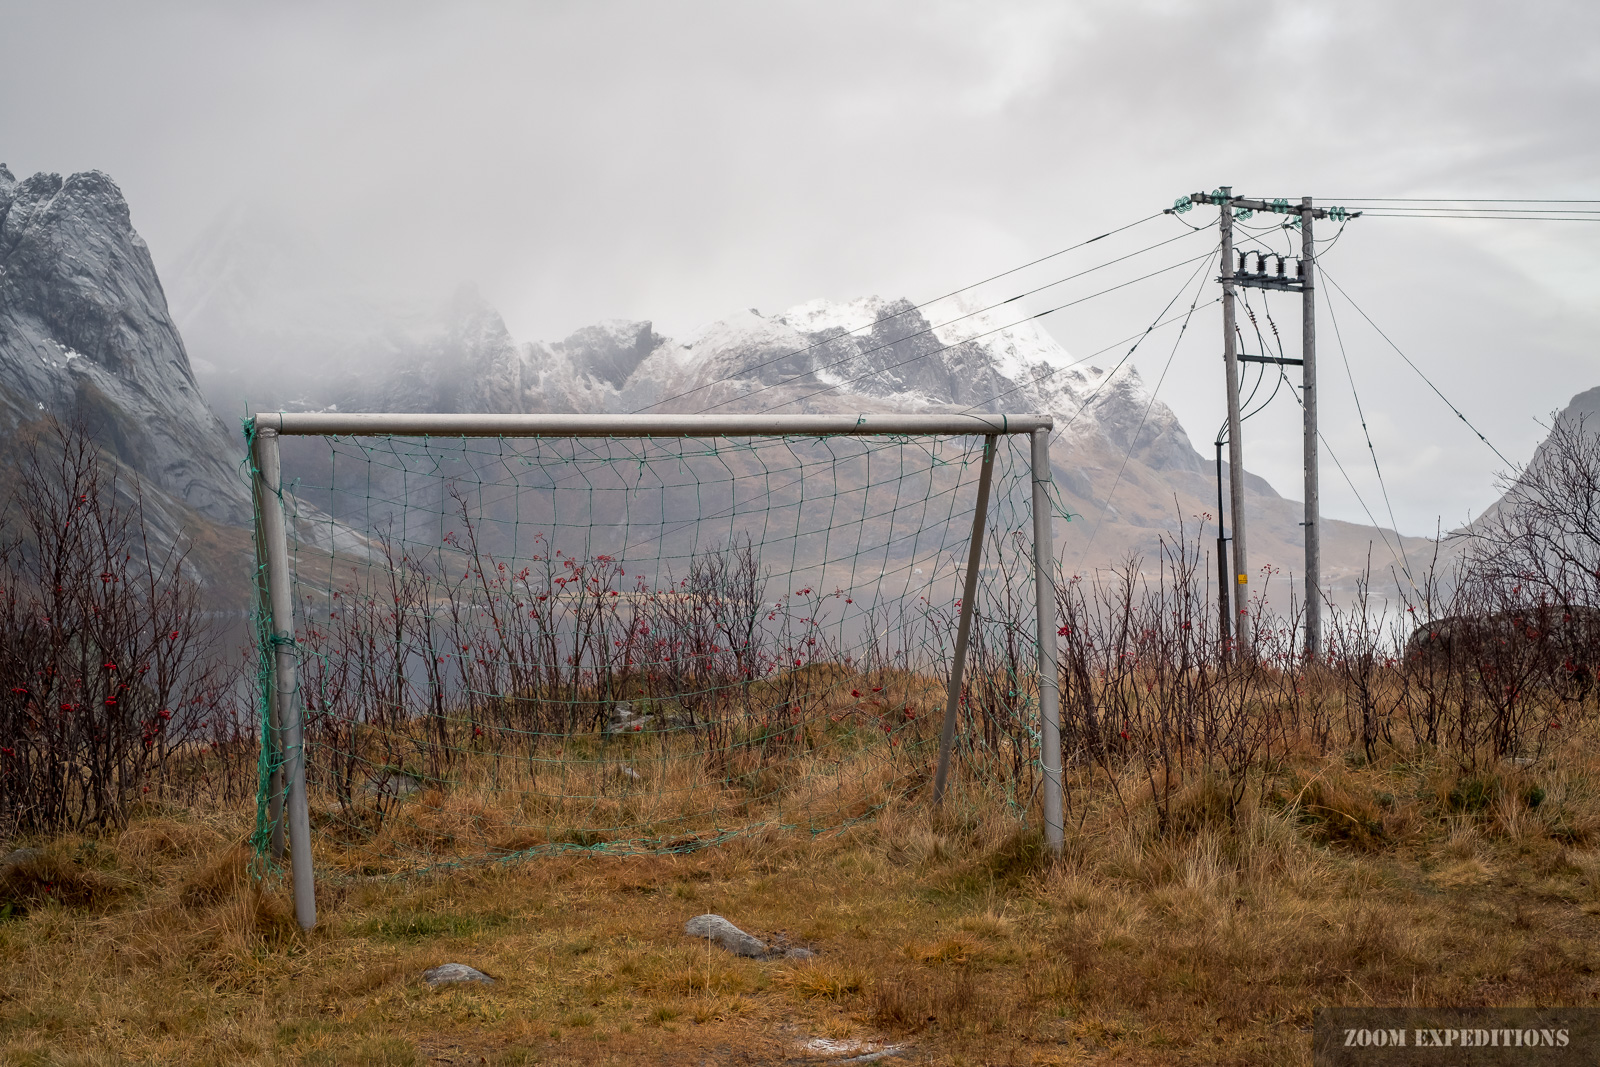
point(916, 307)
point(1373, 519)
point(1447, 208)
point(1261, 368)
point(1457, 200)
point(1485, 218)
point(1053, 371)
point(1414, 207)
point(1132, 349)
point(1436, 391)
point(1133, 441)
point(1362, 415)
point(932, 328)
point(1403, 558)
point(943, 348)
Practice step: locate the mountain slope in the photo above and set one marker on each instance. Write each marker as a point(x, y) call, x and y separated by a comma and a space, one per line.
point(86, 336)
point(1582, 411)
point(1128, 471)
point(85, 332)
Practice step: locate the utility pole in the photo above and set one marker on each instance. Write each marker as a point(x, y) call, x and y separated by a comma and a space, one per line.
point(1308, 392)
point(1230, 359)
point(1303, 282)
point(1224, 612)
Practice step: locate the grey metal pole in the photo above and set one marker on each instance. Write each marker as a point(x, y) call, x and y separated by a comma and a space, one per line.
point(1224, 612)
point(1308, 386)
point(317, 423)
point(1230, 357)
point(275, 781)
point(281, 601)
point(969, 596)
point(274, 731)
point(1044, 594)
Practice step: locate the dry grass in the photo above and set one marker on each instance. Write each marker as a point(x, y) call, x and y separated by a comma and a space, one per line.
point(1338, 882)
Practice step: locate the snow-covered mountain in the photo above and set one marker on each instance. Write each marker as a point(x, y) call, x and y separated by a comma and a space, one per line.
point(86, 336)
point(272, 323)
point(85, 332)
point(1581, 413)
point(1127, 468)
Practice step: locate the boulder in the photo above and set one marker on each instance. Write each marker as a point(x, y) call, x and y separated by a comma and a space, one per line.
point(452, 973)
point(726, 935)
point(624, 720)
point(18, 857)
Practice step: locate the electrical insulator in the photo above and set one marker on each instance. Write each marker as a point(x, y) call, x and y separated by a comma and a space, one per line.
point(1244, 262)
point(1280, 266)
point(1299, 269)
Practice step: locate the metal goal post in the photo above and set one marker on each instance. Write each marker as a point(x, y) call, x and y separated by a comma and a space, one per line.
point(273, 546)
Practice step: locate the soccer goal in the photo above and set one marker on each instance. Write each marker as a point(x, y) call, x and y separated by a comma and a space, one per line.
point(494, 636)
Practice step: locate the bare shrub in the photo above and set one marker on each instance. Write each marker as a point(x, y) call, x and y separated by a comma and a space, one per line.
point(111, 686)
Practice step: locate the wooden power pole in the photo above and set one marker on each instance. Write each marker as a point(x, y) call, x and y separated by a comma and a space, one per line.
point(1302, 282)
point(1230, 360)
point(1308, 394)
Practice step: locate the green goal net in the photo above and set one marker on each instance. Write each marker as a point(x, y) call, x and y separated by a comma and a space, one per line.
point(515, 645)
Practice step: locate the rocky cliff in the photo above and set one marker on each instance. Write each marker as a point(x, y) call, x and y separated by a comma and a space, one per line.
point(86, 337)
point(85, 333)
point(1128, 470)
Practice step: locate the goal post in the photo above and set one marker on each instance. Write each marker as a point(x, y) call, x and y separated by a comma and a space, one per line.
point(284, 731)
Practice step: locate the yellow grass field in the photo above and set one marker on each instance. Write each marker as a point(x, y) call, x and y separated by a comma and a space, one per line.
point(953, 935)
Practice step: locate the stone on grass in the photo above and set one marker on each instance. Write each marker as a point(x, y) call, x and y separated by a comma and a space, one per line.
point(623, 719)
point(726, 935)
point(18, 857)
point(799, 954)
point(398, 786)
point(451, 973)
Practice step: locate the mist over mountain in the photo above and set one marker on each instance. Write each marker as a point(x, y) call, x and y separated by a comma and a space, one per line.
point(275, 336)
point(86, 332)
point(1582, 412)
point(86, 337)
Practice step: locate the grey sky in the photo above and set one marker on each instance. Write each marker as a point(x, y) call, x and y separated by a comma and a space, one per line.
point(678, 162)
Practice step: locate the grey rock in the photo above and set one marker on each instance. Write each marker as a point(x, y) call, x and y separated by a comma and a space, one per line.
point(623, 719)
point(85, 333)
point(17, 857)
point(451, 973)
point(393, 785)
point(726, 935)
point(799, 954)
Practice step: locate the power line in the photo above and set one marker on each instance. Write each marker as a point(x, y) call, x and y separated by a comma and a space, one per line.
point(1261, 370)
point(916, 307)
point(1362, 415)
point(1416, 368)
point(1487, 218)
point(1489, 210)
point(930, 329)
point(1373, 519)
point(944, 348)
point(1126, 355)
point(1450, 200)
point(1133, 441)
point(1053, 371)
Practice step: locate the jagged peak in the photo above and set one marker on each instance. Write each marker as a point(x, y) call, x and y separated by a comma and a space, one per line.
point(610, 350)
point(822, 316)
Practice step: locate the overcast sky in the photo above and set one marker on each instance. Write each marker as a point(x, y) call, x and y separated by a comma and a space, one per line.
point(680, 161)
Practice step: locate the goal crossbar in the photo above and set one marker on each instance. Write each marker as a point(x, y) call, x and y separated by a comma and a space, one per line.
point(288, 800)
point(327, 423)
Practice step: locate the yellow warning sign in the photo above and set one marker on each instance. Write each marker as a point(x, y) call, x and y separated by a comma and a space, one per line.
point(1244, 579)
